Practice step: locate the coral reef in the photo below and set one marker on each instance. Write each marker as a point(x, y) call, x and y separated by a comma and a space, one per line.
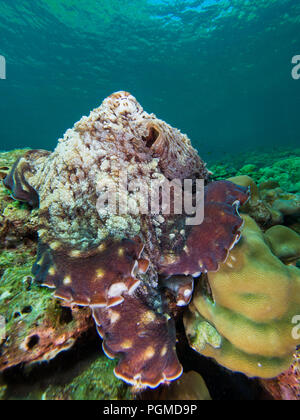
point(256, 207)
point(286, 204)
point(95, 382)
point(17, 222)
point(287, 385)
point(37, 327)
point(282, 167)
point(284, 243)
point(245, 322)
point(269, 205)
point(133, 274)
point(111, 262)
point(285, 172)
point(81, 373)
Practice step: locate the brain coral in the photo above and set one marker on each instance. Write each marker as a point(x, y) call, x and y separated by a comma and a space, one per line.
point(121, 263)
point(246, 323)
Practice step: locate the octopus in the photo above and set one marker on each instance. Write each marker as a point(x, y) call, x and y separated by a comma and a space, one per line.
point(131, 268)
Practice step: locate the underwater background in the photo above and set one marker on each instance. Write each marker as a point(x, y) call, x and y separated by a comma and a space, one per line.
point(218, 70)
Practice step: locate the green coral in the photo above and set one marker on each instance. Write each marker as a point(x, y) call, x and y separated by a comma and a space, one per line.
point(18, 293)
point(282, 167)
point(285, 171)
point(73, 377)
point(7, 159)
point(201, 332)
point(254, 299)
point(247, 169)
point(96, 382)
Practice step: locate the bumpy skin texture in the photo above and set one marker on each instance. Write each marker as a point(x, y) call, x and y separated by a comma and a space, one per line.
point(113, 262)
point(254, 300)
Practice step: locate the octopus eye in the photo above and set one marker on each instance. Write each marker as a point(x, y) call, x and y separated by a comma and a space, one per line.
point(154, 137)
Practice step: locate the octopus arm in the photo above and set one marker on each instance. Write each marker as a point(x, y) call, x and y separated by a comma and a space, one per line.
point(208, 244)
point(99, 276)
point(18, 181)
point(143, 339)
point(181, 287)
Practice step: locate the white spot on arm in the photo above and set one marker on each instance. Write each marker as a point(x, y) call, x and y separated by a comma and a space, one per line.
point(117, 289)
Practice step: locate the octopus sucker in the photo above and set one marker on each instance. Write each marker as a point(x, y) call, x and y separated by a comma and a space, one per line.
point(122, 263)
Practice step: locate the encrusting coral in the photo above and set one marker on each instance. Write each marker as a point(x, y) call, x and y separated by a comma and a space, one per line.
point(111, 262)
point(269, 204)
point(287, 204)
point(285, 172)
point(281, 167)
point(284, 243)
point(245, 319)
point(17, 222)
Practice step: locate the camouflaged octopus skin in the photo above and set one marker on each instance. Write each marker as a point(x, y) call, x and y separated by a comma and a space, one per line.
point(120, 265)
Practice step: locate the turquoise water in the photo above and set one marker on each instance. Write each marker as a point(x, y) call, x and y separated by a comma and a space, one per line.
point(218, 70)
